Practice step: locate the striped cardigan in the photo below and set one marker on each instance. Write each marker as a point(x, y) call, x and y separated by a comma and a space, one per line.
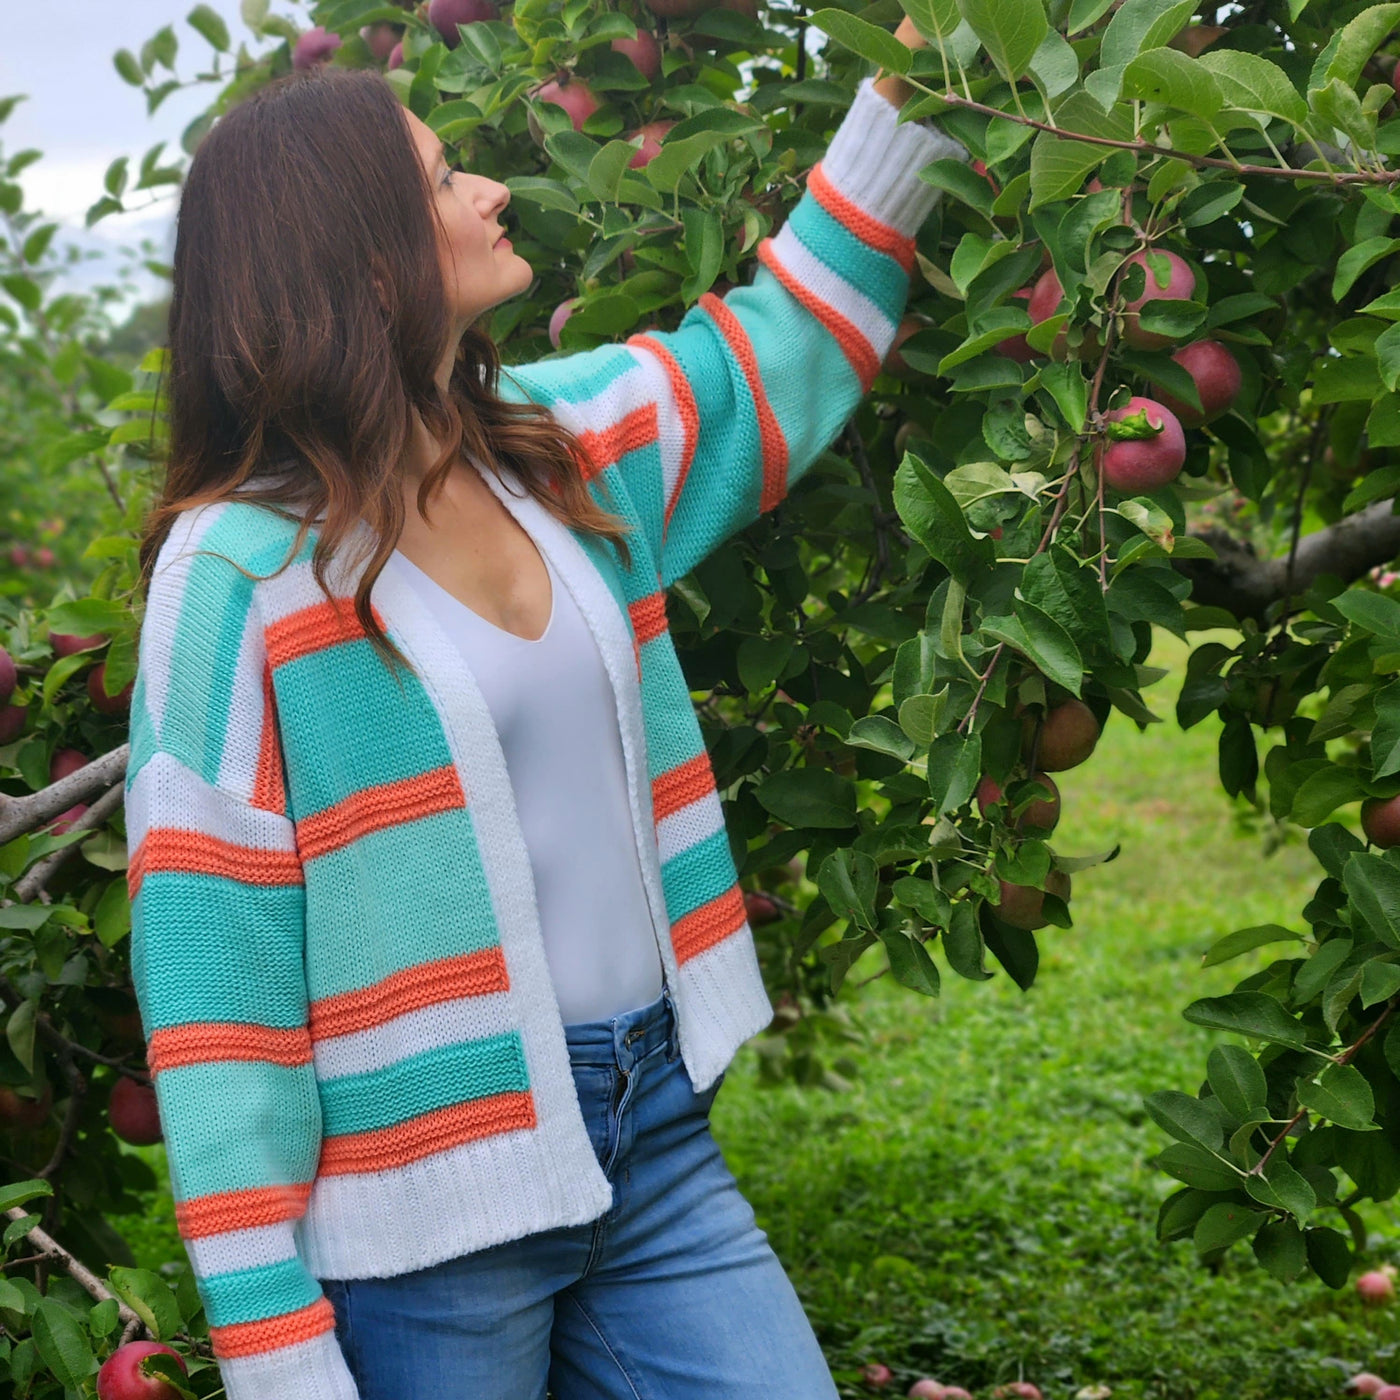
point(357, 1053)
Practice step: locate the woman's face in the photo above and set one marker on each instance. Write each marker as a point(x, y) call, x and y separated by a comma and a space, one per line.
point(480, 269)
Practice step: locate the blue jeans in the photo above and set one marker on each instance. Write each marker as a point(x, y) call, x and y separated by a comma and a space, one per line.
point(673, 1294)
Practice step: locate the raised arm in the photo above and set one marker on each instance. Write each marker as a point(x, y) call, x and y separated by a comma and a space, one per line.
point(218, 933)
point(711, 424)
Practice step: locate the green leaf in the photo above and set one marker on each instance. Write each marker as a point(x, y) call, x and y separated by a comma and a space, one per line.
point(149, 1297)
point(814, 797)
point(918, 717)
point(1346, 380)
point(1280, 1249)
point(1059, 167)
point(128, 68)
point(1387, 348)
point(1137, 26)
point(1356, 259)
point(1010, 30)
point(1379, 982)
point(111, 919)
point(1253, 84)
point(88, 616)
point(1343, 1096)
point(963, 945)
point(1065, 384)
point(63, 1343)
point(1224, 1224)
point(1197, 1167)
point(209, 23)
point(1185, 1118)
point(1372, 612)
point(1284, 1187)
point(548, 194)
point(882, 734)
point(954, 766)
point(1321, 793)
point(25, 916)
point(864, 38)
point(1237, 1080)
point(848, 881)
point(935, 19)
point(909, 961)
point(1253, 1014)
point(1039, 638)
point(1243, 940)
point(761, 660)
point(1374, 887)
point(20, 1029)
point(1385, 733)
point(935, 519)
point(18, 1192)
point(1165, 75)
point(1353, 45)
point(1328, 1255)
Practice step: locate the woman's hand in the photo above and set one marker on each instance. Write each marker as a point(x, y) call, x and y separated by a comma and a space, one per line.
point(892, 87)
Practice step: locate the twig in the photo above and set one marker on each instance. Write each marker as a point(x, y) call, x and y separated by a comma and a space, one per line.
point(51, 1249)
point(33, 884)
point(882, 546)
point(77, 1092)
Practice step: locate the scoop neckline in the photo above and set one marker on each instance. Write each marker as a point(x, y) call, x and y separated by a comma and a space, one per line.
point(486, 621)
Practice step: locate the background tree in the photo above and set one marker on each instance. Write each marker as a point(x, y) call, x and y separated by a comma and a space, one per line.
point(1150, 378)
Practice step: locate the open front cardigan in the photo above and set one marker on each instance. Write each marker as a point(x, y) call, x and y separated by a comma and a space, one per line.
point(358, 1056)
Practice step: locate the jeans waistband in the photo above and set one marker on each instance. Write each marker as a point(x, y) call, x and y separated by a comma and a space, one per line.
point(627, 1037)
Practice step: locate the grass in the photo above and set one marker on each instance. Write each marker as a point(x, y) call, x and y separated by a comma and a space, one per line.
point(980, 1207)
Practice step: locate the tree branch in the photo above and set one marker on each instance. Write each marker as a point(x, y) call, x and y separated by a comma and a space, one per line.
point(33, 885)
point(51, 1248)
point(1242, 583)
point(21, 814)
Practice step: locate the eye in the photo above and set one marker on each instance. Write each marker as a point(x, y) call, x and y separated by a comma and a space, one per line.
point(447, 179)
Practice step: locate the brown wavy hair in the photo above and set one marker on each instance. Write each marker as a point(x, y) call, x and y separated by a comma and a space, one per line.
point(307, 321)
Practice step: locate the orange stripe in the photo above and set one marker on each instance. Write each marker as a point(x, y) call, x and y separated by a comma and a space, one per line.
point(470, 975)
point(608, 445)
point(866, 227)
point(648, 616)
point(374, 808)
point(711, 923)
point(679, 787)
point(385, 1148)
point(269, 793)
point(203, 1042)
point(775, 450)
point(273, 1333)
point(241, 1210)
point(856, 348)
point(171, 849)
point(685, 406)
point(313, 629)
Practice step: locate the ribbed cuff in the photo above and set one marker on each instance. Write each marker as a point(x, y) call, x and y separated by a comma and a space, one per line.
point(874, 160)
point(311, 1370)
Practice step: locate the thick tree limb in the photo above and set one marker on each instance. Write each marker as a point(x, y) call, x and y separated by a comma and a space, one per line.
point(34, 883)
point(21, 814)
point(1246, 585)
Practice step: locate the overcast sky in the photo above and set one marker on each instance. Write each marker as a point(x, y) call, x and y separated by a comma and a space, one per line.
point(82, 115)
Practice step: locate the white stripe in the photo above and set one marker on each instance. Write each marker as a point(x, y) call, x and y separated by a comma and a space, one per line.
point(689, 825)
point(238, 764)
point(167, 792)
point(314, 1370)
point(233, 1250)
point(670, 426)
point(445, 1023)
point(821, 281)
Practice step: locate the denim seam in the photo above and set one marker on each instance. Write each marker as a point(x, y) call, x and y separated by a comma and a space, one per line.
point(613, 1356)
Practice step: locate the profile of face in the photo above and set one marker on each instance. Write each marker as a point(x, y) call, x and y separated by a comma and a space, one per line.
point(480, 268)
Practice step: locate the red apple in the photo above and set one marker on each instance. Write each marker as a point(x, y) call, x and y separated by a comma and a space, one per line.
point(19, 556)
point(66, 761)
point(133, 1113)
point(1067, 737)
point(1023, 906)
point(1375, 1288)
point(9, 677)
point(44, 557)
point(760, 908)
point(956, 1392)
point(574, 96)
point(103, 703)
point(1041, 816)
point(396, 56)
point(877, 1375)
point(1181, 283)
point(66, 643)
point(1388, 1392)
point(1380, 820)
point(652, 135)
point(21, 1114)
point(926, 1389)
point(644, 52)
point(1216, 373)
point(1045, 299)
point(1015, 347)
point(315, 46)
point(446, 15)
point(122, 1378)
point(1365, 1383)
point(1017, 1390)
point(1132, 465)
point(381, 39)
point(561, 313)
point(1395, 79)
point(64, 820)
point(12, 719)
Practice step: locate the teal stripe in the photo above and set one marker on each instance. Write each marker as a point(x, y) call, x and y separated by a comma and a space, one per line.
point(698, 875)
point(668, 716)
point(141, 732)
point(347, 692)
point(239, 1124)
point(254, 1295)
point(366, 911)
point(875, 274)
point(570, 379)
point(224, 951)
point(451, 1074)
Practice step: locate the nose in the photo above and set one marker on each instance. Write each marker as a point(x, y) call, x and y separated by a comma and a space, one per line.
point(493, 197)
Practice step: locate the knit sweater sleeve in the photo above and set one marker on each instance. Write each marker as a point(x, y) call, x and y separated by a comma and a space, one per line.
point(218, 934)
point(711, 424)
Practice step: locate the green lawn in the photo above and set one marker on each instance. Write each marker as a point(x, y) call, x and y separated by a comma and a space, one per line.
point(980, 1208)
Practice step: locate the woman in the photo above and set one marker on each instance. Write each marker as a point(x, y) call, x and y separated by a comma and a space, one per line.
point(437, 939)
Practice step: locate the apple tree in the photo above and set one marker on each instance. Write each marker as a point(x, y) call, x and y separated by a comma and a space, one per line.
point(1149, 378)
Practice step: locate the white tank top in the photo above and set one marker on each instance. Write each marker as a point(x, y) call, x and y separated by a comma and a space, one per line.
point(556, 718)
